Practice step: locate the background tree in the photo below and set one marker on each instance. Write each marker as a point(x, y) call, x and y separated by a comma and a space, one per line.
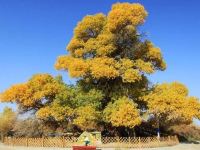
point(38, 92)
point(186, 133)
point(170, 103)
point(30, 127)
point(7, 120)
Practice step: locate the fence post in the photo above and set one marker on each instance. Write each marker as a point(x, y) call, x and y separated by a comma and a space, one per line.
point(169, 141)
point(4, 140)
point(8, 141)
point(42, 141)
point(148, 140)
point(129, 142)
point(118, 143)
point(26, 142)
point(13, 141)
point(149, 143)
point(176, 138)
point(63, 141)
point(139, 142)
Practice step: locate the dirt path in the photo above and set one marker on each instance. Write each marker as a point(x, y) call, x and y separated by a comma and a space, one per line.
point(177, 147)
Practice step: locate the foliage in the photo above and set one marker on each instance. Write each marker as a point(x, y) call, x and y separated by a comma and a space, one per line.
point(54, 101)
point(110, 48)
point(7, 120)
point(74, 106)
point(173, 104)
point(87, 117)
point(34, 94)
point(122, 112)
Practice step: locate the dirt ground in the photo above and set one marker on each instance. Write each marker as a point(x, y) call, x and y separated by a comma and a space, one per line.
point(177, 147)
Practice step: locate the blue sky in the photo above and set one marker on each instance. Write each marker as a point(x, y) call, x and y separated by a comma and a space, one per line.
point(34, 32)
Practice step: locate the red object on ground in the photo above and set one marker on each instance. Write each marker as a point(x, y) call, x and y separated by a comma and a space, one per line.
point(84, 147)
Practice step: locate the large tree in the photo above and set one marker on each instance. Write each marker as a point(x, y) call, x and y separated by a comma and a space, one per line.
point(110, 54)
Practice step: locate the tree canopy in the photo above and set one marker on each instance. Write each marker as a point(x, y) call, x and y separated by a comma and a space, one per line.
point(38, 91)
point(108, 53)
point(52, 100)
point(174, 106)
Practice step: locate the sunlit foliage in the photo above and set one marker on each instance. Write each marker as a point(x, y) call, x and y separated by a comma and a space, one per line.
point(34, 94)
point(87, 117)
point(102, 45)
point(51, 99)
point(170, 103)
point(122, 112)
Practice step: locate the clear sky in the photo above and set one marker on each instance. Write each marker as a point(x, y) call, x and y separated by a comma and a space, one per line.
point(34, 32)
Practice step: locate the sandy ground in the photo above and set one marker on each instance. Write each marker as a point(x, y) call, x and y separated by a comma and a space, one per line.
point(177, 147)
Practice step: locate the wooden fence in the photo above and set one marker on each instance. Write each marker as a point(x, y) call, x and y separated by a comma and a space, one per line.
point(106, 142)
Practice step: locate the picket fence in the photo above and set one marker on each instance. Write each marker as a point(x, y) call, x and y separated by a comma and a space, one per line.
point(106, 142)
